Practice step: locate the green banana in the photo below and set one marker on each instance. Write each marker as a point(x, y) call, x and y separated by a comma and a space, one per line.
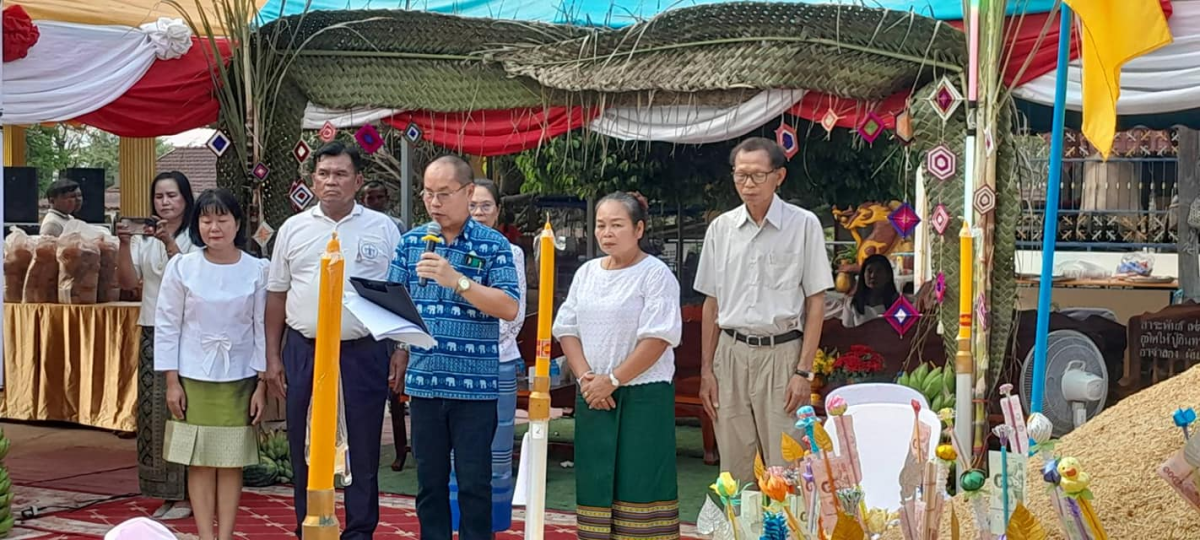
point(932, 387)
point(7, 524)
point(919, 374)
point(950, 378)
point(4, 444)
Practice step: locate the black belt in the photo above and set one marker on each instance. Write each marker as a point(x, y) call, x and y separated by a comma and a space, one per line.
point(352, 343)
point(764, 341)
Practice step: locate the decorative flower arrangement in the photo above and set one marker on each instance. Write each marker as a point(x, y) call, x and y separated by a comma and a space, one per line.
point(823, 362)
point(859, 363)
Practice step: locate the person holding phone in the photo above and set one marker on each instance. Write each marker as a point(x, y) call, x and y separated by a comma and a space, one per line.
point(210, 343)
point(142, 258)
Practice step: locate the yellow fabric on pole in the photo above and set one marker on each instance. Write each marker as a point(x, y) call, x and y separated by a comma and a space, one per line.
point(116, 12)
point(1114, 32)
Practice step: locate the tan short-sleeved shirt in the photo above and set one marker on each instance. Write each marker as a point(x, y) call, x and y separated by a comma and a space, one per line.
point(53, 223)
point(761, 276)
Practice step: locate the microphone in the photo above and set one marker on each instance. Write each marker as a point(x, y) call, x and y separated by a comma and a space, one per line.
point(433, 237)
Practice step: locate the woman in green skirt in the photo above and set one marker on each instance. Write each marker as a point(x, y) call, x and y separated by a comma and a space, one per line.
point(209, 340)
point(617, 329)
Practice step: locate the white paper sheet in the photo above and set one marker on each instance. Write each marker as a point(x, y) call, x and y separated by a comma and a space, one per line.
point(384, 324)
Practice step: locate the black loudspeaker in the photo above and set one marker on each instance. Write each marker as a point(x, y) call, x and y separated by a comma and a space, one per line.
point(21, 195)
point(91, 184)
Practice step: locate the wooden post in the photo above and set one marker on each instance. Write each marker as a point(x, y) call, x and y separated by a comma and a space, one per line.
point(14, 146)
point(1189, 188)
point(137, 164)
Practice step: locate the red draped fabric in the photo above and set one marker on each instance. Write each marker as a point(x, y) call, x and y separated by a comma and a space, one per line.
point(174, 96)
point(494, 132)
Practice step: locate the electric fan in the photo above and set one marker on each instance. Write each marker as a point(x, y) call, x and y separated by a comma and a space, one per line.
point(1076, 380)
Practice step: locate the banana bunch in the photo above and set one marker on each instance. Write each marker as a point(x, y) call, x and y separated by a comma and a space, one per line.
point(7, 519)
point(273, 451)
point(936, 384)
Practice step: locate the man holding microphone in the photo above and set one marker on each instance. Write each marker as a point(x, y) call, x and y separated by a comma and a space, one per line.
point(462, 288)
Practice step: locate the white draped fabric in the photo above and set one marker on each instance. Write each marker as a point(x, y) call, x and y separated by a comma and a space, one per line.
point(315, 116)
point(73, 70)
point(694, 124)
point(1164, 81)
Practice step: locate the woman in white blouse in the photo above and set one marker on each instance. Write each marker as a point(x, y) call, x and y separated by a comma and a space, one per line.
point(485, 208)
point(142, 258)
point(209, 340)
point(617, 329)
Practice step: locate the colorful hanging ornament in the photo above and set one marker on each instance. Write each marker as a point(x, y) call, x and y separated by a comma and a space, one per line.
point(412, 133)
point(981, 312)
point(368, 138)
point(945, 99)
point(904, 128)
point(989, 142)
point(902, 315)
point(871, 127)
point(260, 171)
point(785, 136)
point(941, 162)
point(940, 219)
point(218, 143)
point(301, 151)
point(939, 287)
point(328, 132)
point(300, 195)
point(985, 199)
point(830, 120)
point(263, 234)
point(904, 219)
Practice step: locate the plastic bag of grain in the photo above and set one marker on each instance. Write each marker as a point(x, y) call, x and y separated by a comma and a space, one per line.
point(41, 281)
point(109, 288)
point(78, 269)
point(18, 254)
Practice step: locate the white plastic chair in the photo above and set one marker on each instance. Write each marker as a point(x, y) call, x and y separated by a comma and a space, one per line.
point(140, 528)
point(860, 394)
point(882, 432)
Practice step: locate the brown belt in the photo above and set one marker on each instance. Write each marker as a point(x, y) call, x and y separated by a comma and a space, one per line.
point(764, 341)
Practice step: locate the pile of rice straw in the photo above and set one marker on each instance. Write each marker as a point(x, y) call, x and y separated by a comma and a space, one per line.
point(1122, 449)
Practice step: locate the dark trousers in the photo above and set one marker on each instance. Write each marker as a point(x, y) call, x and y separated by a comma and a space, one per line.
point(364, 373)
point(440, 426)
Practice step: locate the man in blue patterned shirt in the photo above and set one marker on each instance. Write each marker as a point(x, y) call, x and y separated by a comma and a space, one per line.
point(472, 283)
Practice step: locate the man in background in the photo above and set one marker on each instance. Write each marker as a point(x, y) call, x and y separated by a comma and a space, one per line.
point(375, 196)
point(65, 199)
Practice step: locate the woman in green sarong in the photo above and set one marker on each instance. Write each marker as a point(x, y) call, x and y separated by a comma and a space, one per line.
point(617, 328)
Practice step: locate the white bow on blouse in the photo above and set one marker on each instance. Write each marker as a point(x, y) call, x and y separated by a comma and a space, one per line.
point(215, 345)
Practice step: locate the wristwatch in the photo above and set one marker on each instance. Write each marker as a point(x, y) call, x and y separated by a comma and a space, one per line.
point(806, 374)
point(464, 283)
point(613, 379)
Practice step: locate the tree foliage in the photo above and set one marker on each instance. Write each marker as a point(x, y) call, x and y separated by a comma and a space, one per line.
point(51, 149)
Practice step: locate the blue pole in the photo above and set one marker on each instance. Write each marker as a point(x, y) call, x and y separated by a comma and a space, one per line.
point(1050, 230)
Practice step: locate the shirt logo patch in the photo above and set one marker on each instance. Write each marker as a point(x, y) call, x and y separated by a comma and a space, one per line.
point(367, 250)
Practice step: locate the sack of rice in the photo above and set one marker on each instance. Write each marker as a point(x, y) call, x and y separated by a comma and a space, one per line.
point(78, 269)
point(18, 255)
point(41, 281)
point(109, 288)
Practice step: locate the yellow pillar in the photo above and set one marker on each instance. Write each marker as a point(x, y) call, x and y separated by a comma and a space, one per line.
point(136, 170)
point(14, 146)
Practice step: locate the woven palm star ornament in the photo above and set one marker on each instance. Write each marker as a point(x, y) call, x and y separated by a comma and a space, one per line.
point(301, 151)
point(941, 162)
point(829, 121)
point(218, 143)
point(940, 219)
point(412, 133)
point(985, 199)
point(300, 195)
point(328, 132)
point(904, 128)
point(368, 138)
point(260, 171)
point(871, 127)
point(945, 99)
point(785, 136)
point(939, 287)
point(902, 315)
point(263, 234)
point(904, 219)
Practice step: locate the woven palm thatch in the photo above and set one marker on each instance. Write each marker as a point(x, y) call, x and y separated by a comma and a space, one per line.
point(848, 51)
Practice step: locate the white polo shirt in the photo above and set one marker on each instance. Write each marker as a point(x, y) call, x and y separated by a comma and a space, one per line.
point(368, 240)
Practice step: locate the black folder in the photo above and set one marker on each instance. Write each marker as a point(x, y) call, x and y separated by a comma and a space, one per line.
point(390, 296)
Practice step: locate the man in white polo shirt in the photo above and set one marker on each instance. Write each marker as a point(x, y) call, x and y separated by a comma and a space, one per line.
point(764, 270)
point(368, 239)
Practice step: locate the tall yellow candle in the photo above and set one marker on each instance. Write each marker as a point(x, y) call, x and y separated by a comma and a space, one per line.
point(966, 258)
point(963, 362)
point(539, 399)
point(321, 523)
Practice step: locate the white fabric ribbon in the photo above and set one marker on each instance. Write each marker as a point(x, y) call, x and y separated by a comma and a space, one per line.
point(1164, 81)
point(171, 37)
point(73, 70)
point(688, 124)
point(215, 345)
point(315, 116)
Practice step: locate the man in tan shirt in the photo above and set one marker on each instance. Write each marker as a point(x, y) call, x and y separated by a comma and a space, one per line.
point(764, 271)
point(65, 199)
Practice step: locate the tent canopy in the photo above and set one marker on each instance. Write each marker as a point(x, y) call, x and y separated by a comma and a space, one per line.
point(116, 12)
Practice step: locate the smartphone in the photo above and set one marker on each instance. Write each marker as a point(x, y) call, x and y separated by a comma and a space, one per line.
point(141, 225)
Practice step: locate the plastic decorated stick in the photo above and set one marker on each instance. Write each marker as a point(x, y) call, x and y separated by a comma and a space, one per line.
point(727, 489)
point(1184, 418)
point(1004, 432)
point(1014, 417)
point(1074, 483)
point(960, 458)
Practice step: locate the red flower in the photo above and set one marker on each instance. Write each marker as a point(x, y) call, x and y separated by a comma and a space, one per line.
point(860, 359)
point(20, 34)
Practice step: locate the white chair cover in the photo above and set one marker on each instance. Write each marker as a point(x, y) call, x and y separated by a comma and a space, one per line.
point(859, 394)
point(882, 432)
point(140, 528)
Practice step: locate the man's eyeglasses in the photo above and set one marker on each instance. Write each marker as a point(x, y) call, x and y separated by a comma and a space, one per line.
point(441, 196)
point(757, 178)
point(486, 207)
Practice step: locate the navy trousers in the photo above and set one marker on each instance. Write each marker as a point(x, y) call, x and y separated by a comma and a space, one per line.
point(440, 426)
point(364, 373)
